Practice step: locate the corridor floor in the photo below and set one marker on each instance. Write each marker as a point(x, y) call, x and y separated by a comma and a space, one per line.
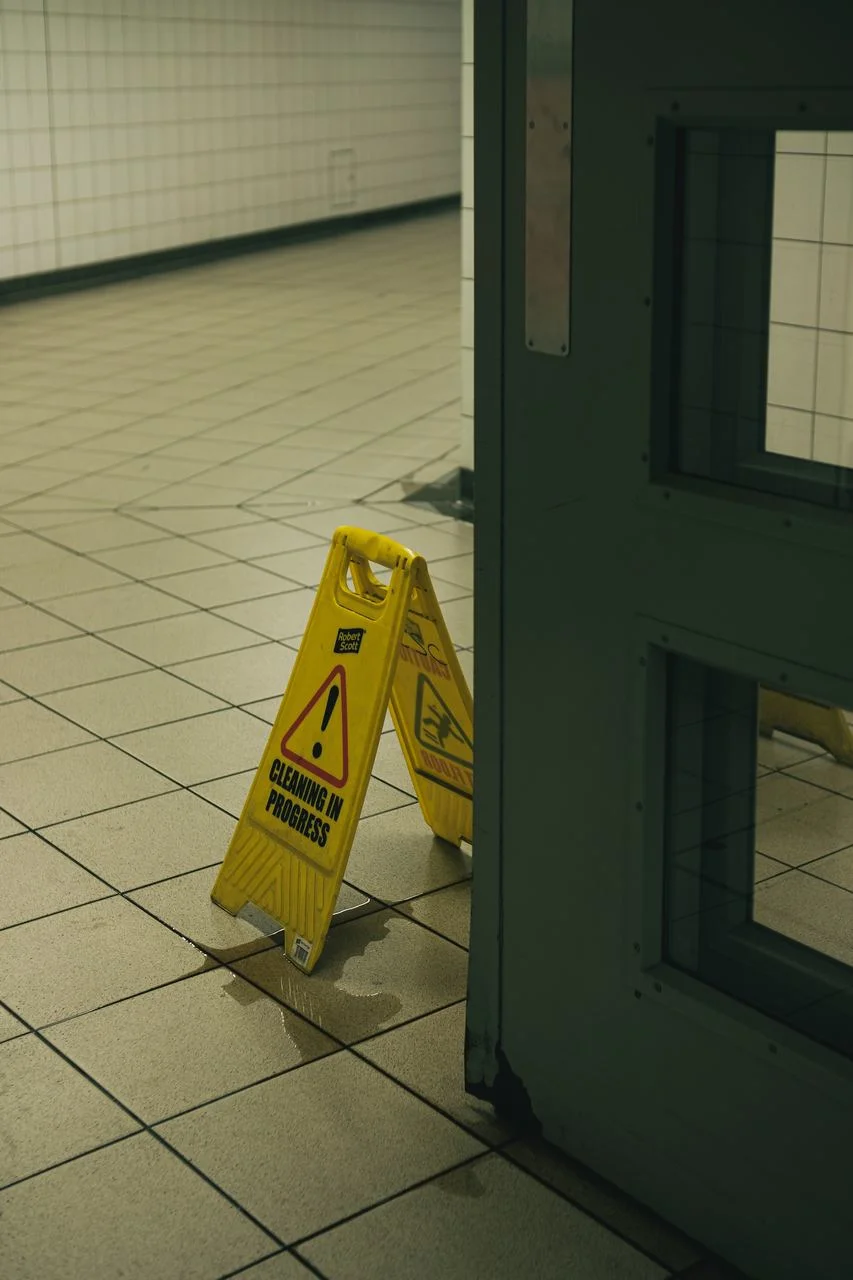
point(176, 1099)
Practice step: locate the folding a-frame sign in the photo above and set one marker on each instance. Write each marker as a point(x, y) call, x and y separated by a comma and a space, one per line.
point(367, 643)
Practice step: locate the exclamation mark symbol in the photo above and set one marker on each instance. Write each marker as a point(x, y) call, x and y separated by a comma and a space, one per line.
point(331, 703)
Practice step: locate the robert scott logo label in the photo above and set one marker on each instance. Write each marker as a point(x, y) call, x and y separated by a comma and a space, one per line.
point(349, 639)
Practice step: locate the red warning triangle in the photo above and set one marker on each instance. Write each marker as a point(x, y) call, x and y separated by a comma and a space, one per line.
point(318, 740)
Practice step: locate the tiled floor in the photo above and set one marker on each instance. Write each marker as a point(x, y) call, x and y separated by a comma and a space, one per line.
point(176, 1100)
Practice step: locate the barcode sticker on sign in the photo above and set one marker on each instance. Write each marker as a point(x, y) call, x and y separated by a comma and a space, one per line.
point(300, 950)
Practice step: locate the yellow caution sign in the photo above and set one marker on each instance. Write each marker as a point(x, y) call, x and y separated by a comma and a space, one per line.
point(290, 848)
point(432, 709)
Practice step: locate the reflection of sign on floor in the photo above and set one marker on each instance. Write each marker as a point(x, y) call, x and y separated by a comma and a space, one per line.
point(289, 851)
point(437, 728)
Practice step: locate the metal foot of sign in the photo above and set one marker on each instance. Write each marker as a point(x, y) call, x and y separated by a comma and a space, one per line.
point(367, 643)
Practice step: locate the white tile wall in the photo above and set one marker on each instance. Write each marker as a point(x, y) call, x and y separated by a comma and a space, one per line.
point(467, 442)
point(133, 125)
point(810, 383)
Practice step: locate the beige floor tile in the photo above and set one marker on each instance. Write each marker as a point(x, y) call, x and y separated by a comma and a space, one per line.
point(459, 570)
point(193, 635)
point(81, 780)
point(375, 972)
point(117, 607)
point(136, 844)
point(381, 799)
point(495, 1221)
point(459, 617)
point(798, 836)
point(766, 867)
point(10, 1026)
point(395, 856)
point(777, 793)
point(448, 911)
point(188, 1043)
point(223, 584)
point(113, 1213)
point(611, 1206)
point(185, 905)
point(37, 880)
point(305, 567)
point(25, 625)
point(64, 664)
point(202, 748)
point(390, 765)
point(375, 1140)
point(466, 662)
point(244, 675)
point(782, 751)
point(134, 702)
point(228, 793)
point(48, 1111)
point(818, 914)
point(195, 520)
point(103, 533)
point(428, 1055)
point(61, 575)
point(81, 959)
point(444, 543)
point(156, 559)
point(9, 826)
point(267, 538)
point(282, 1267)
point(823, 771)
point(278, 617)
point(8, 694)
point(324, 523)
point(27, 729)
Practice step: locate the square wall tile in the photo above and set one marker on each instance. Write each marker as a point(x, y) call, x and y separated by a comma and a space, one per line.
point(798, 197)
point(792, 362)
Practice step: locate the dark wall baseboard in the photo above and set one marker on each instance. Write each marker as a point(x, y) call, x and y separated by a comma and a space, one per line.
point(92, 275)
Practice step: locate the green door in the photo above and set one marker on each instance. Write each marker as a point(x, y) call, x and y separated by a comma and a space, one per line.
point(662, 935)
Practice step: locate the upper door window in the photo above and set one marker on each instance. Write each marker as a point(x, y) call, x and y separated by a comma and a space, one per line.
point(762, 379)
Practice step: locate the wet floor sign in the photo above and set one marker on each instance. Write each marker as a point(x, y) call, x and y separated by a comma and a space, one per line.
point(367, 643)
